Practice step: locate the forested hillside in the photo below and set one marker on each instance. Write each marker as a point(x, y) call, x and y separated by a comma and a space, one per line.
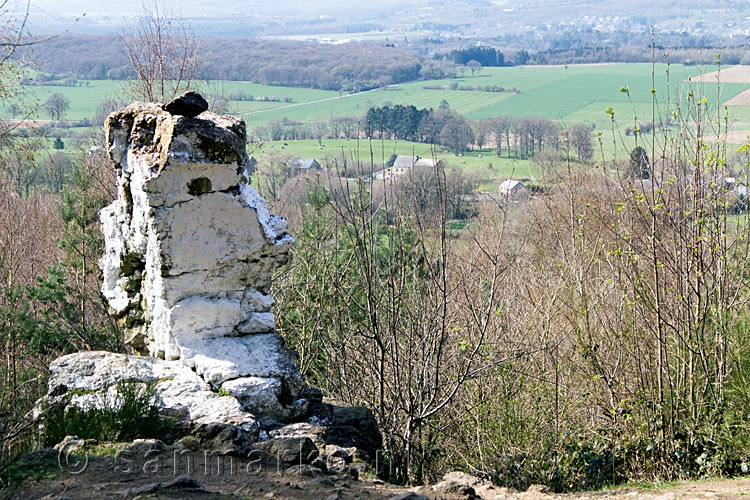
point(355, 66)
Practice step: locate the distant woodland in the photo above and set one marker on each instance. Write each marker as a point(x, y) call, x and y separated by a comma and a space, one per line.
point(350, 67)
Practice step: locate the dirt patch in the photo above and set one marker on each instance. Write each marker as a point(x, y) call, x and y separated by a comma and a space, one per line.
point(732, 137)
point(186, 476)
point(735, 74)
point(198, 475)
point(741, 99)
point(29, 123)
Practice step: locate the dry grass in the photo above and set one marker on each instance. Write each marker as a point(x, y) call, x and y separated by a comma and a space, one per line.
point(741, 99)
point(734, 74)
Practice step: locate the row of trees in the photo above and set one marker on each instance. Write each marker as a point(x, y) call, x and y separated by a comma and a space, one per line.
point(572, 51)
point(355, 66)
point(395, 122)
point(526, 136)
point(443, 126)
point(522, 137)
point(476, 57)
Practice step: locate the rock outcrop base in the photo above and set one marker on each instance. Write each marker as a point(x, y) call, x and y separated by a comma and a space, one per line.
point(190, 248)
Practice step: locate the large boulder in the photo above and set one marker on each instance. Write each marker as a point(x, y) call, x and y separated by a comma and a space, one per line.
point(190, 249)
point(90, 380)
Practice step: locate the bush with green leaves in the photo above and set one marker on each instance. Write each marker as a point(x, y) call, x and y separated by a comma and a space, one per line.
point(127, 411)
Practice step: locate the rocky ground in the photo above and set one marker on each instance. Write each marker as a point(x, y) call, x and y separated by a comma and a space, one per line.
point(148, 469)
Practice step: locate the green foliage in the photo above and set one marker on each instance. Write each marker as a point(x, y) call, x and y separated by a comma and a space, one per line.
point(398, 122)
point(58, 143)
point(391, 160)
point(311, 311)
point(316, 304)
point(487, 56)
point(54, 314)
point(130, 412)
point(82, 244)
point(363, 304)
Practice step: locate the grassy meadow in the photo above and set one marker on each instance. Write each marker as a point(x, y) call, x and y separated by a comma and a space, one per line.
point(568, 94)
point(484, 164)
point(574, 93)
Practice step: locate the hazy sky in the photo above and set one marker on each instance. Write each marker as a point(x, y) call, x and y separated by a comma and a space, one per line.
point(192, 8)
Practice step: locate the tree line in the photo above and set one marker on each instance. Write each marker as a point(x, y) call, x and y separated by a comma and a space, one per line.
point(522, 137)
point(350, 67)
point(519, 137)
point(485, 56)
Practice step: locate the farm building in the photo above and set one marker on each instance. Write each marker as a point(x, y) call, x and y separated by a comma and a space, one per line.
point(428, 162)
point(303, 165)
point(401, 165)
point(510, 187)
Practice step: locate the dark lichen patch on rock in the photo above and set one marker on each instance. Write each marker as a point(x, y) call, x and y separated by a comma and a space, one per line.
point(219, 151)
point(189, 104)
point(199, 186)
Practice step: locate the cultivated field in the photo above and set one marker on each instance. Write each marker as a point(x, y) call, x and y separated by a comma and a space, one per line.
point(576, 93)
point(569, 94)
point(733, 74)
point(741, 99)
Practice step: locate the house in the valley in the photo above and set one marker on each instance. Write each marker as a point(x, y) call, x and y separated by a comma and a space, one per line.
point(428, 163)
point(511, 188)
point(401, 165)
point(741, 190)
point(302, 165)
point(738, 195)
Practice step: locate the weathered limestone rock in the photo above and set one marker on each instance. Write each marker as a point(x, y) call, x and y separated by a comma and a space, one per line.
point(190, 249)
point(85, 379)
point(190, 245)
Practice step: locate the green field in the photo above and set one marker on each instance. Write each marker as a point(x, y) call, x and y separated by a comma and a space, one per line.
point(571, 94)
point(369, 154)
point(568, 94)
point(578, 93)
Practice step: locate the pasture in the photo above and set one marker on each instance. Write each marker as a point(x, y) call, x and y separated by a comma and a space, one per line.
point(368, 155)
point(574, 93)
point(568, 94)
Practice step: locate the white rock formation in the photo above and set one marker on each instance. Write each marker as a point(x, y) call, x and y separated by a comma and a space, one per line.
point(190, 249)
point(86, 378)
